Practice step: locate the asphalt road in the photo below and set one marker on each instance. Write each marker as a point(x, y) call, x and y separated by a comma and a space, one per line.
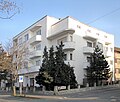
point(100, 95)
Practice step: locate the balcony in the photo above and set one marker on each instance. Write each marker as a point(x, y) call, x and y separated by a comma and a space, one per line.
point(88, 50)
point(85, 64)
point(29, 70)
point(35, 39)
point(35, 54)
point(61, 33)
point(70, 62)
point(107, 42)
point(90, 36)
point(108, 54)
point(69, 46)
point(34, 28)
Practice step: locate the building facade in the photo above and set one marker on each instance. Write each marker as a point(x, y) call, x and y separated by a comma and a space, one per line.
point(79, 42)
point(117, 63)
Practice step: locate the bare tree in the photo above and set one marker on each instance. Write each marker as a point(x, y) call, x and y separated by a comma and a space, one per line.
point(8, 9)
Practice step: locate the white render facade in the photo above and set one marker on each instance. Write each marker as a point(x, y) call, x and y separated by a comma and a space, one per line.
point(79, 41)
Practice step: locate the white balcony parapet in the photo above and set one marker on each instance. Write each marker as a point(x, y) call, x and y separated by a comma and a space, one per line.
point(69, 45)
point(35, 28)
point(107, 41)
point(90, 36)
point(35, 39)
point(86, 64)
point(36, 53)
point(88, 50)
point(108, 54)
point(70, 62)
point(61, 33)
point(29, 70)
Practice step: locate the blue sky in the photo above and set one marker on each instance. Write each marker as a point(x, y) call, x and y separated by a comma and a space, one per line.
point(83, 10)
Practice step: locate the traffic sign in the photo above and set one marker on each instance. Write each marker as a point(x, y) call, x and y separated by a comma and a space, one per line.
point(20, 78)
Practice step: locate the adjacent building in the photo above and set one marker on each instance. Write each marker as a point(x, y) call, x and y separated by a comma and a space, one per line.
point(117, 63)
point(79, 42)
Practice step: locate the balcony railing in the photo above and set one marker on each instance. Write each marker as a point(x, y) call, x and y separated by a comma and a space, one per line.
point(35, 39)
point(88, 50)
point(29, 70)
point(69, 45)
point(36, 53)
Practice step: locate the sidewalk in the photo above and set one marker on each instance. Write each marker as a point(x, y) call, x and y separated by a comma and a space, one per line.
point(57, 97)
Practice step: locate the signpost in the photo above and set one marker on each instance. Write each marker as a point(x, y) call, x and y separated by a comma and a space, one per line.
point(20, 78)
point(20, 81)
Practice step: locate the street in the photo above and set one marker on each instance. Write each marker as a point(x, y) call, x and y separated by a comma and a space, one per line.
point(100, 95)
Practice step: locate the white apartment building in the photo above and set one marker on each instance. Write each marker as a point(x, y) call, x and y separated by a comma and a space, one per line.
point(79, 41)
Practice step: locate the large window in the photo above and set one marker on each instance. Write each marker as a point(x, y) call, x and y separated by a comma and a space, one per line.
point(38, 47)
point(88, 59)
point(100, 45)
point(20, 41)
point(38, 32)
point(26, 37)
point(25, 64)
point(38, 62)
point(89, 44)
point(64, 39)
point(65, 57)
point(71, 56)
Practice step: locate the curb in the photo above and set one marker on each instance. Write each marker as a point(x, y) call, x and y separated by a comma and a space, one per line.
point(56, 97)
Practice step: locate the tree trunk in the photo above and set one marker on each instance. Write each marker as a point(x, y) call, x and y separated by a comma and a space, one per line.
point(20, 88)
point(14, 90)
point(55, 90)
point(68, 87)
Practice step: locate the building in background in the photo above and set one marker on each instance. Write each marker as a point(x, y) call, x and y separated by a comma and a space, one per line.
point(117, 63)
point(79, 42)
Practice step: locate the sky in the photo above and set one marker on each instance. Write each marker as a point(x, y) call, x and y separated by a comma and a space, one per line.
point(101, 14)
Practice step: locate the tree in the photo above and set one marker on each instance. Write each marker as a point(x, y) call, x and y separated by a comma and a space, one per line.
point(8, 9)
point(54, 65)
point(16, 57)
point(99, 69)
point(5, 65)
point(44, 78)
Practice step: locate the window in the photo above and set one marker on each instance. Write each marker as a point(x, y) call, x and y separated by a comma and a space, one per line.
point(97, 34)
point(71, 38)
point(65, 57)
point(26, 37)
point(118, 61)
point(38, 47)
point(38, 62)
point(78, 26)
point(106, 48)
point(89, 44)
point(20, 41)
point(38, 32)
point(117, 70)
point(71, 56)
point(25, 64)
point(89, 30)
point(16, 55)
point(105, 36)
point(111, 62)
point(88, 59)
point(115, 60)
point(64, 39)
point(111, 49)
point(31, 81)
point(100, 45)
